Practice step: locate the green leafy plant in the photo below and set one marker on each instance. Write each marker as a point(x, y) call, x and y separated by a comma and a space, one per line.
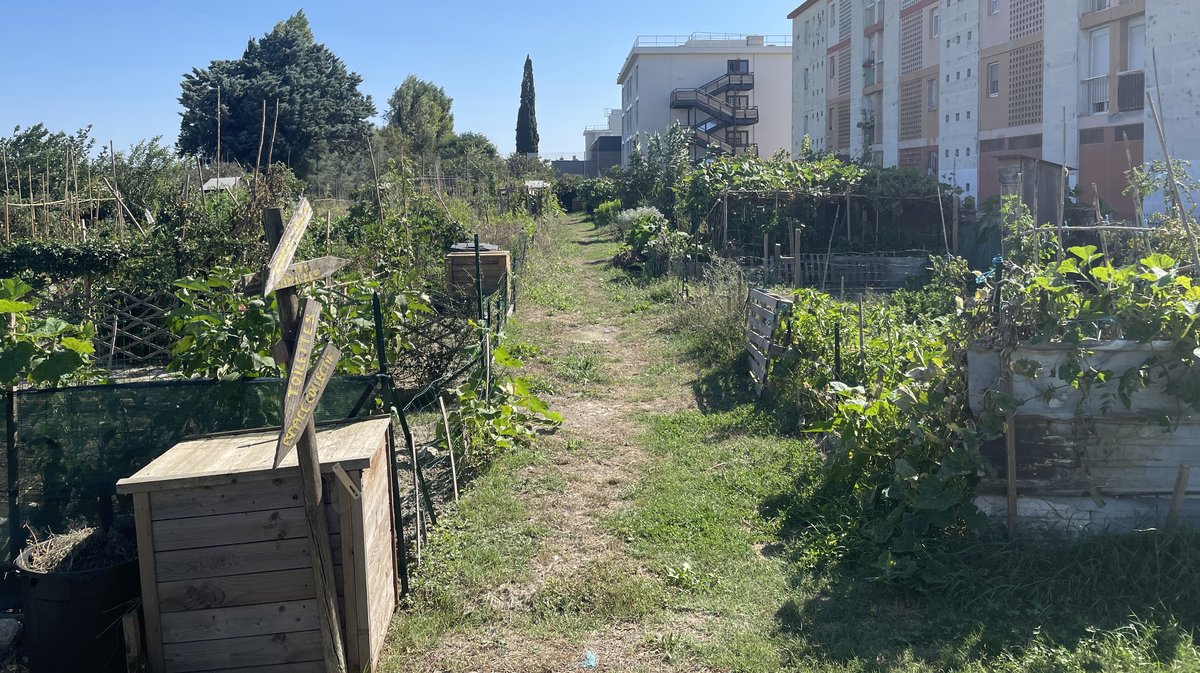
point(503, 417)
point(39, 350)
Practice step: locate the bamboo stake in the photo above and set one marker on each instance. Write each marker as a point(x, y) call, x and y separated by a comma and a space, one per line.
point(1181, 484)
point(1162, 138)
point(262, 136)
point(375, 173)
point(416, 493)
point(7, 225)
point(450, 448)
point(274, 129)
point(942, 213)
point(112, 153)
point(32, 207)
point(218, 137)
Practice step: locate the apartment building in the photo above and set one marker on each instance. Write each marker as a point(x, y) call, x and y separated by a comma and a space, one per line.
point(734, 92)
point(950, 87)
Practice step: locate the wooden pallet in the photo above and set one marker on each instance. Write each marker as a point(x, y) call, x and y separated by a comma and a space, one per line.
point(764, 312)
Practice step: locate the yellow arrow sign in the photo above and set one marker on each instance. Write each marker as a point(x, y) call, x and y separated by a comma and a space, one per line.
point(286, 250)
point(293, 426)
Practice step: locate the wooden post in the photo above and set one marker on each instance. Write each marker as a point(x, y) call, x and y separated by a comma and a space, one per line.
point(131, 627)
point(1010, 456)
point(116, 186)
point(796, 257)
point(310, 478)
point(416, 493)
point(1181, 484)
point(953, 226)
point(449, 448)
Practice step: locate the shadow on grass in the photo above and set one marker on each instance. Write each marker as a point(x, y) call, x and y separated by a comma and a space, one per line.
point(1088, 605)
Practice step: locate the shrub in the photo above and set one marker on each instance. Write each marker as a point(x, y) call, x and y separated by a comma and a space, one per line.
point(596, 191)
point(606, 213)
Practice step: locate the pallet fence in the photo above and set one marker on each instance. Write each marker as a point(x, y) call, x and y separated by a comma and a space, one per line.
point(764, 312)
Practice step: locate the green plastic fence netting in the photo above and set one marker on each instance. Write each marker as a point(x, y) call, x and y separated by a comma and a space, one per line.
point(73, 444)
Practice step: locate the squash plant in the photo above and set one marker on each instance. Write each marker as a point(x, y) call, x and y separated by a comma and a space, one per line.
point(39, 350)
point(507, 419)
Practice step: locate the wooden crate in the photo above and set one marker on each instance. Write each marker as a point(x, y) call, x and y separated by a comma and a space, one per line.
point(495, 267)
point(227, 580)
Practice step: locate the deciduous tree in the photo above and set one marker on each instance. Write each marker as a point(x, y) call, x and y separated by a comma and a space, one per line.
point(421, 111)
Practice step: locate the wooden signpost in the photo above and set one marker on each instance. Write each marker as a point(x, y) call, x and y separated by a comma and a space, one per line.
point(296, 274)
point(303, 393)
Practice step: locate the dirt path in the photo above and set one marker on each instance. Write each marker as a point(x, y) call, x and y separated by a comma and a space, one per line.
point(603, 362)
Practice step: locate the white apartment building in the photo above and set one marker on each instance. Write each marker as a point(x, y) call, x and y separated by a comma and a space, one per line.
point(733, 91)
point(952, 87)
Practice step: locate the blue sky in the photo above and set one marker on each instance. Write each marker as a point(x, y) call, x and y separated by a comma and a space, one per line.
point(118, 65)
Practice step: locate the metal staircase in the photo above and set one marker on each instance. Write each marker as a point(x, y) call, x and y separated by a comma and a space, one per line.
point(709, 100)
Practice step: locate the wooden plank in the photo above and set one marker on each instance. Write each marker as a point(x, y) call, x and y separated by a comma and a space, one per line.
point(1181, 483)
point(236, 559)
point(306, 337)
point(763, 328)
point(242, 621)
point(216, 461)
point(352, 559)
point(281, 258)
point(763, 297)
point(296, 274)
point(282, 648)
point(301, 415)
point(303, 667)
point(250, 496)
point(131, 629)
point(762, 343)
point(361, 606)
point(237, 590)
point(759, 357)
point(758, 372)
point(764, 313)
point(226, 529)
point(150, 602)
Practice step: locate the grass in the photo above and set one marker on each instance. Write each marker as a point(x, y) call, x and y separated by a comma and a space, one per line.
point(487, 542)
point(728, 560)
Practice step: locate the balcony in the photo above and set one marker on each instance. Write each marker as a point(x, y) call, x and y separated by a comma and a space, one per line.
point(1095, 96)
point(1131, 91)
point(1090, 6)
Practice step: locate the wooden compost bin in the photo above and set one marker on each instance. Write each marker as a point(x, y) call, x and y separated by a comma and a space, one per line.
point(227, 579)
point(495, 267)
point(1084, 460)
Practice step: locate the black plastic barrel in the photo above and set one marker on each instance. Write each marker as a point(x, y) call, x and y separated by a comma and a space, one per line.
point(73, 619)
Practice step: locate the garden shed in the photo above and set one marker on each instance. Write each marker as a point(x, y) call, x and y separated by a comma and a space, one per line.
point(226, 570)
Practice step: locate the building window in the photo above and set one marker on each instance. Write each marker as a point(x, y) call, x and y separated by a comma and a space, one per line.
point(738, 100)
point(738, 66)
point(933, 94)
point(806, 79)
point(993, 6)
point(934, 25)
point(931, 165)
point(1135, 56)
point(993, 79)
point(833, 12)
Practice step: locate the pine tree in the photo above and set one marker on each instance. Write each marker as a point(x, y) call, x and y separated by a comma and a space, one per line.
point(527, 133)
point(317, 99)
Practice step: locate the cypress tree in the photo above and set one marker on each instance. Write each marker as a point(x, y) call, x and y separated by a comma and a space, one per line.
point(527, 133)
